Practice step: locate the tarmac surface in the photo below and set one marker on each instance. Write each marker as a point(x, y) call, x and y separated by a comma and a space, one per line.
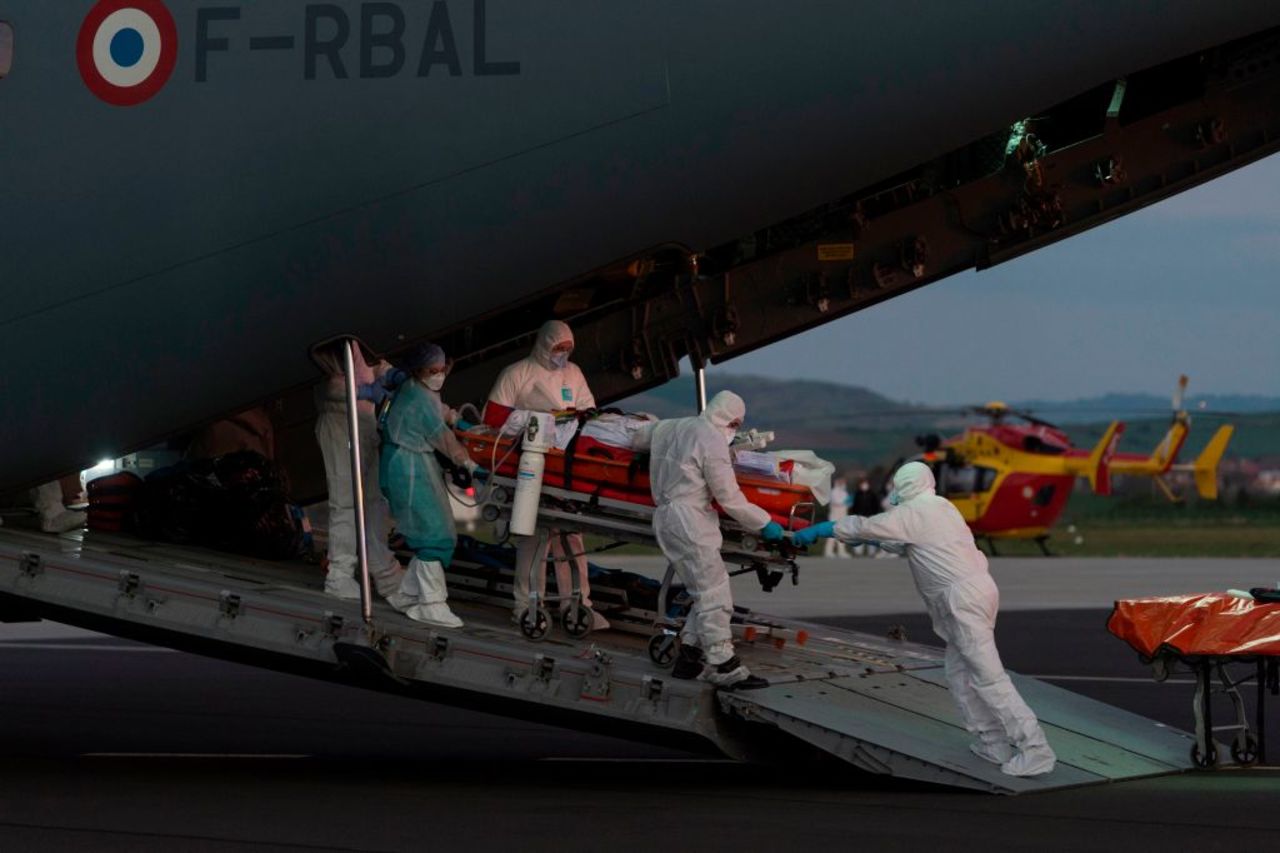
point(109, 745)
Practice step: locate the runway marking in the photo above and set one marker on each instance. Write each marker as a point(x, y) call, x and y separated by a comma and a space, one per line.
point(205, 755)
point(84, 647)
point(563, 759)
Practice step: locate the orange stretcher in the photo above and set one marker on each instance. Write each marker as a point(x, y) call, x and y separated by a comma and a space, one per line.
point(1209, 624)
point(1207, 633)
point(600, 470)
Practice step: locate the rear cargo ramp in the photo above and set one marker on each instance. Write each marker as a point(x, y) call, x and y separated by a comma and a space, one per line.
point(904, 724)
point(878, 704)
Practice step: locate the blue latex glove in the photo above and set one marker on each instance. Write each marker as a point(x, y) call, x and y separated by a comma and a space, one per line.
point(772, 532)
point(394, 378)
point(373, 392)
point(812, 533)
point(462, 424)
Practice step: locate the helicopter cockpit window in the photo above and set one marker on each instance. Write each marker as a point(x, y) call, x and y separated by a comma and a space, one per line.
point(965, 479)
point(957, 479)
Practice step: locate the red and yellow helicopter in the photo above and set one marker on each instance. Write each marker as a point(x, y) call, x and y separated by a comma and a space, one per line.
point(1011, 477)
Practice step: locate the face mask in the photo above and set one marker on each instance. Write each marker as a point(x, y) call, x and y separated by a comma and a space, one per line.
point(435, 381)
point(730, 433)
point(894, 498)
point(559, 360)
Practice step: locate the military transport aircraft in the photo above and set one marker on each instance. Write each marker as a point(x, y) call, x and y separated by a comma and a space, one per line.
point(194, 194)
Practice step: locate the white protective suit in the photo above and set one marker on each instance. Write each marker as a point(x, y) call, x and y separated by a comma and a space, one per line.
point(951, 575)
point(689, 467)
point(837, 509)
point(535, 384)
point(332, 434)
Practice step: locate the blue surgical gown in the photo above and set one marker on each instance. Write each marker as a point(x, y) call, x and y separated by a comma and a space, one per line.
point(412, 428)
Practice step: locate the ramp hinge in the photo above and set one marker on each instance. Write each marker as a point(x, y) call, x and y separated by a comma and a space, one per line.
point(652, 688)
point(597, 685)
point(29, 565)
point(129, 584)
point(439, 648)
point(332, 624)
point(229, 604)
point(544, 667)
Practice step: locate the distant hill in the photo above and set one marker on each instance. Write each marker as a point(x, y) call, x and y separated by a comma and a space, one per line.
point(1130, 406)
point(859, 429)
point(770, 399)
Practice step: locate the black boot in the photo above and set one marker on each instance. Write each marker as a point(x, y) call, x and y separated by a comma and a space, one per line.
point(690, 661)
point(733, 675)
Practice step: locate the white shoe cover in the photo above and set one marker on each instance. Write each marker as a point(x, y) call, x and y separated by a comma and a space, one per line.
point(997, 752)
point(342, 587)
point(63, 522)
point(423, 593)
point(401, 602)
point(434, 614)
point(1032, 761)
point(725, 679)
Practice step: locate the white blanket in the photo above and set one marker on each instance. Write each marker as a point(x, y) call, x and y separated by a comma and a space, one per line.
point(615, 430)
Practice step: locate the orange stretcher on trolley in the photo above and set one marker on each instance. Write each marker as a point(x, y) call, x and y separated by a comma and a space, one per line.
point(1187, 626)
point(600, 470)
point(1206, 633)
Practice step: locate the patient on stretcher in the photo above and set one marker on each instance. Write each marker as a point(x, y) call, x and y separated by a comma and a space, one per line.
point(597, 455)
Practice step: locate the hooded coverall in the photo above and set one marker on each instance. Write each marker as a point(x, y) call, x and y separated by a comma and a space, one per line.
point(952, 577)
point(536, 384)
point(689, 468)
point(332, 434)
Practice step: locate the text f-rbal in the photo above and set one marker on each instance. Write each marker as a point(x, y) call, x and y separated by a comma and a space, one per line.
point(368, 41)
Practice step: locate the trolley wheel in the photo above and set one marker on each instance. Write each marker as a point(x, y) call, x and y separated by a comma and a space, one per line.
point(663, 648)
point(577, 620)
point(1206, 760)
point(534, 624)
point(1244, 749)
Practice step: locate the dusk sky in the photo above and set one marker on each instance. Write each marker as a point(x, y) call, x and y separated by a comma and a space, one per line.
point(1186, 286)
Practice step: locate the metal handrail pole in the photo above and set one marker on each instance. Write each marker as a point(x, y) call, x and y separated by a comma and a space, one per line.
point(700, 383)
point(357, 483)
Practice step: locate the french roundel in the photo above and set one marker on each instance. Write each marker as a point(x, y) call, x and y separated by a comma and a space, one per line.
point(127, 49)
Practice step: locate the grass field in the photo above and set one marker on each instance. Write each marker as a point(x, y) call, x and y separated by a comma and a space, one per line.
point(1138, 539)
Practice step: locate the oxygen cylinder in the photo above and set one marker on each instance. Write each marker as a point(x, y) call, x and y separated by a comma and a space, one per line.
point(539, 436)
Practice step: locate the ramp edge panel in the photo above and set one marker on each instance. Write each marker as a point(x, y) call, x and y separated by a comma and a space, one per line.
point(1078, 747)
point(291, 629)
point(1067, 710)
point(884, 738)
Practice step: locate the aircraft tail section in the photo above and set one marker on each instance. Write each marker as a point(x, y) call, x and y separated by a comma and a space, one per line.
point(1205, 468)
point(1162, 458)
point(1099, 462)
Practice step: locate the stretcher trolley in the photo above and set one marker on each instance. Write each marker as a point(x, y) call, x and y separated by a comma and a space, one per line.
point(604, 492)
point(1211, 634)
